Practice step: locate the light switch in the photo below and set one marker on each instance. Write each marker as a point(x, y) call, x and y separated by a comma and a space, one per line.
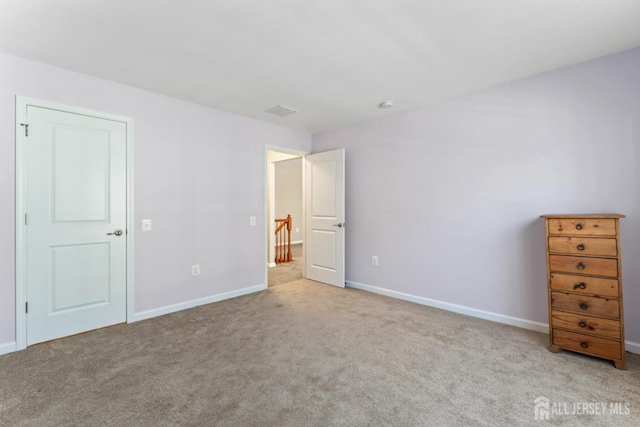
point(252, 220)
point(146, 225)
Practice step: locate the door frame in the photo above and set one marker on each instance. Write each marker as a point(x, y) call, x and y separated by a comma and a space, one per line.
point(21, 243)
point(267, 201)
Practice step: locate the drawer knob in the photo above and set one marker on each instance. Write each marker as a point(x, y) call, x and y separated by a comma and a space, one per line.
point(581, 266)
point(581, 285)
point(581, 247)
point(584, 344)
point(584, 305)
point(582, 324)
point(579, 226)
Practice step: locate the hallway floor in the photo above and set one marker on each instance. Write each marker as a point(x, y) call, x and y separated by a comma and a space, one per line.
point(288, 271)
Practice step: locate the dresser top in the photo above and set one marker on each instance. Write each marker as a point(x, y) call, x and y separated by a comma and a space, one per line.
point(594, 216)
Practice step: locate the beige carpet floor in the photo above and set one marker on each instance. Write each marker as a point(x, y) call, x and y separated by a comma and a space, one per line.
point(288, 271)
point(307, 354)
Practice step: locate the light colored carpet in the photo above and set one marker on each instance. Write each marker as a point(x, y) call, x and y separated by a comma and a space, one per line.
point(307, 354)
point(288, 271)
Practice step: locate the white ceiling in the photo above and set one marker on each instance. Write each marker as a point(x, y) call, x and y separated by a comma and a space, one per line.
point(333, 60)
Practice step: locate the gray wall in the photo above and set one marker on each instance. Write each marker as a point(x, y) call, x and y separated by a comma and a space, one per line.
point(288, 194)
point(449, 195)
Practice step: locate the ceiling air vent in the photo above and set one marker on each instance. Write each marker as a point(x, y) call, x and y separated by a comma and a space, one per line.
point(281, 110)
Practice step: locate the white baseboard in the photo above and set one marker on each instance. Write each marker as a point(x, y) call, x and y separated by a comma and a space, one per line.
point(9, 347)
point(293, 242)
point(272, 264)
point(487, 315)
point(195, 303)
point(630, 346)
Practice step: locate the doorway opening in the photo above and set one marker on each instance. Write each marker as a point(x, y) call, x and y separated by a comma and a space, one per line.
point(285, 241)
point(323, 214)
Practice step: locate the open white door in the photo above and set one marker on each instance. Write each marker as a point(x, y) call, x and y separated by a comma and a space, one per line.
point(324, 215)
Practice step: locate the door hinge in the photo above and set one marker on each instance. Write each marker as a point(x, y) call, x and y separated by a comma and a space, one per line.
point(26, 219)
point(26, 307)
point(26, 129)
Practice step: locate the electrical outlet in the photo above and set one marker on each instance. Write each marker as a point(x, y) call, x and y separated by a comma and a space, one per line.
point(374, 260)
point(195, 270)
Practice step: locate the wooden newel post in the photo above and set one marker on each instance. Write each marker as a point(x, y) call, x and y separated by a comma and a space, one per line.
point(289, 254)
point(283, 254)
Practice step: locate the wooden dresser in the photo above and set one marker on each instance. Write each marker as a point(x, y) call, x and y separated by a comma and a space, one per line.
point(584, 283)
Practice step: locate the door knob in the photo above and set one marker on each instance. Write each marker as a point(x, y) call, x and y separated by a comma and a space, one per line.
point(118, 232)
point(339, 225)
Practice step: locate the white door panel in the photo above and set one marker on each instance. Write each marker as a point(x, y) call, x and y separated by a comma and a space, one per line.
point(324, 214)
point(80, 174)
point(323, 244)
point(71, 267)
point(75, 195)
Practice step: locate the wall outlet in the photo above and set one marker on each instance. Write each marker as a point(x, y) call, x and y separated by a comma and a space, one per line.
point(195, 270)
point(374, 260)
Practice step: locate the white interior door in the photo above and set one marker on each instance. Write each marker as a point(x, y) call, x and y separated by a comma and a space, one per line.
point(324, 215)
point(75, 203)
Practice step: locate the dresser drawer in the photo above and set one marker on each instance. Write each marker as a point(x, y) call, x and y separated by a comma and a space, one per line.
point(585, 305)
point(583, 246)
point(585, 285)
point(583, 265)
point(587, 344)
point(606, 328)
point(582, 226)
